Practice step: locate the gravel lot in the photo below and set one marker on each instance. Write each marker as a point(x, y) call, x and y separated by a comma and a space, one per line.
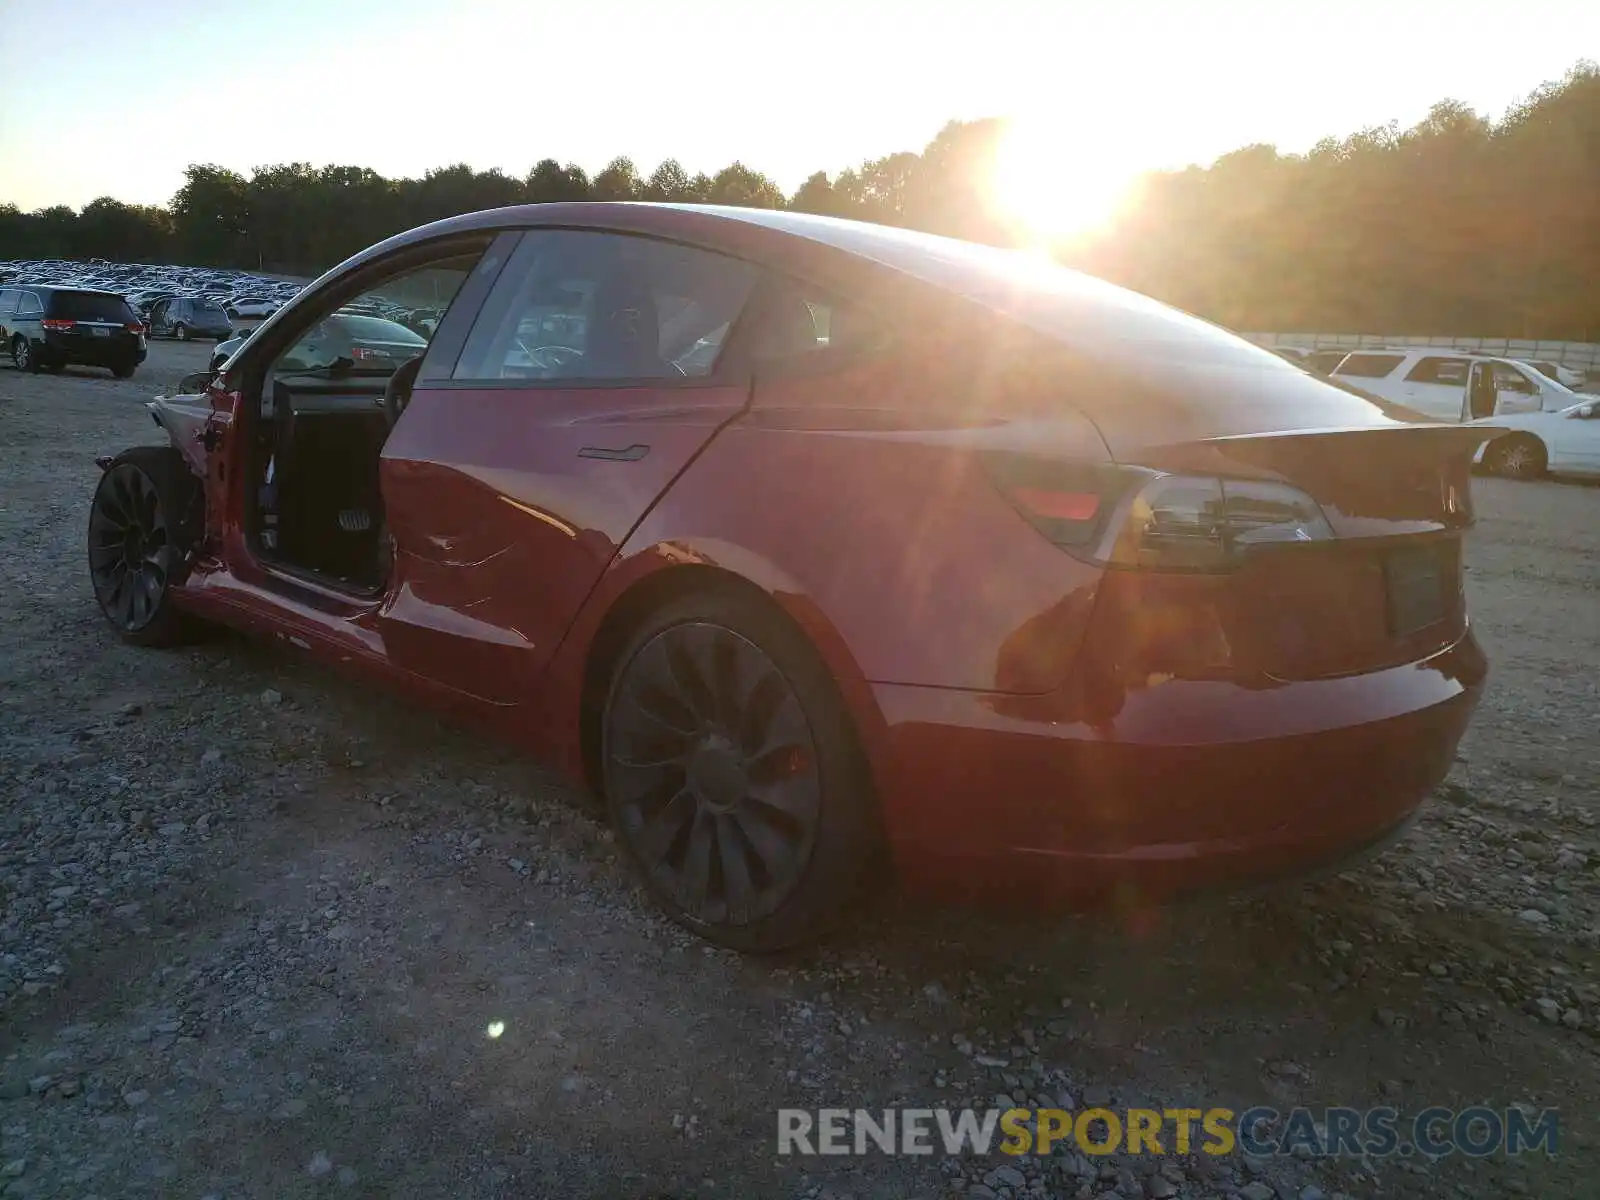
point(256, 925)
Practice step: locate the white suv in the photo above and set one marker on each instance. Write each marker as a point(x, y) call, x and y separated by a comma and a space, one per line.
point(1452, 385)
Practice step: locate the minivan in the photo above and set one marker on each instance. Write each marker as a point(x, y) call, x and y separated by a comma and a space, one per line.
point(45, 326)
point(185, 317)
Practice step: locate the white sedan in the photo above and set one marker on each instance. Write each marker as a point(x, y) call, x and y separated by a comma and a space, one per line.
point(1565, 442)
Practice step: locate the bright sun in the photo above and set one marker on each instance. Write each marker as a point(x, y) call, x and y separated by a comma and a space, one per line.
point(1055, 186)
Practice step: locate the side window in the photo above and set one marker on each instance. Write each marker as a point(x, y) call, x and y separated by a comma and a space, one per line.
point(1509, 379)
point(574, 305)
point(1439, 370)
point(1370, 366)
point(376, 332)
point(30, 305)
point(802, 327)
point(8, 302)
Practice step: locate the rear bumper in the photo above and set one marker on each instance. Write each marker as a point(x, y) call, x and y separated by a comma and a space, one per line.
point(113, 350)
point(1188, 786)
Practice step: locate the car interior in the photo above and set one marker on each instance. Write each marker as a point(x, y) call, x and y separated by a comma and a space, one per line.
point(313, 462)
point(325, 412)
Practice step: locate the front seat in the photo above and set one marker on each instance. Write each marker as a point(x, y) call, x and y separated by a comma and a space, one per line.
point(624, 336)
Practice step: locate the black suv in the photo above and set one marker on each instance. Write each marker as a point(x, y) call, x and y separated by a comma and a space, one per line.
point(43, 326)
point(184, 317)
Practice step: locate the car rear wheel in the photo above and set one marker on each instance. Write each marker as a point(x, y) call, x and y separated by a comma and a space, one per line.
point(123, 372)
point(23, 355)
point(139, 522)
point(733, 777)
point(1519, 457)
point(181, 332)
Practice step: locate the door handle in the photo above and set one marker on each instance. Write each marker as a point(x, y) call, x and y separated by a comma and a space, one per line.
point(631, 453)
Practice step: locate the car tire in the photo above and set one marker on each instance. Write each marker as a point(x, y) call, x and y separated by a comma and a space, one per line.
point(123, 372)
point(733, 775)
point(181, 332)
point(146, 510)
point(23, 356)
point(1519, 456)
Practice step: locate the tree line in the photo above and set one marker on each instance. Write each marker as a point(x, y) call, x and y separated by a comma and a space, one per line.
point(1457, 225)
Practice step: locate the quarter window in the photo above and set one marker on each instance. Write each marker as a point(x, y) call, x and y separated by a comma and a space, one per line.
point(1439, 370)
point(1370, 366)
point(802, 327)
point(580, 306)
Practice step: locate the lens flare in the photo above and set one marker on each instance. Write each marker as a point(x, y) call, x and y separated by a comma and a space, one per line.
point(1057, 184)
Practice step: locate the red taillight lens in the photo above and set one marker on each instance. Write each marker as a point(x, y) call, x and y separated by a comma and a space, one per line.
point(134, 327)
point(1058, 506)
point(1066, 502)
point(56, 323)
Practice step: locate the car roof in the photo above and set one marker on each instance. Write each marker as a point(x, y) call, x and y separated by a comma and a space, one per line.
point(1031, 289)
point(69, 287)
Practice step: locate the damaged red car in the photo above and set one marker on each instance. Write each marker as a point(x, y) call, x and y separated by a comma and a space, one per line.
point(815, 546)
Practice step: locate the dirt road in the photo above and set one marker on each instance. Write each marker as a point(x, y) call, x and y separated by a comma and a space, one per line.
point(264, 933)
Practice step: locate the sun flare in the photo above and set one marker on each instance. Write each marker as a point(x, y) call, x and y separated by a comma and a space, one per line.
point(1056, 186)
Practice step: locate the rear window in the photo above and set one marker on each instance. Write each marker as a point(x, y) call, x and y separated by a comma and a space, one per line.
point(202, 309)
point(376, 329)
point(89, 306)
point(1370, 366)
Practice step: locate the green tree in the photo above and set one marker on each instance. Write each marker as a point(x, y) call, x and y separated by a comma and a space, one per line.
point(211, 217)
point(619, 181)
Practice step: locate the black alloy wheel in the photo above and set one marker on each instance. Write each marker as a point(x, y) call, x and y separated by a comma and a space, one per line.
point(732, 778)
point(136, 545)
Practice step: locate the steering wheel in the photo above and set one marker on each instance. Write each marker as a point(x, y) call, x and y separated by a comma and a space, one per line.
point(397, 392)
point(551, 358)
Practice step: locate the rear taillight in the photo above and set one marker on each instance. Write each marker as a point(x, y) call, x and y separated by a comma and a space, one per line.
point(1199, 523)
point(1135, 517)
point(57, 324)
point(134, 327)
point(365, 354)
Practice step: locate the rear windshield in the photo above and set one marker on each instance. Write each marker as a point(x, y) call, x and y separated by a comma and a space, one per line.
point(89, 306)
point(376, 329)
point(202, 309)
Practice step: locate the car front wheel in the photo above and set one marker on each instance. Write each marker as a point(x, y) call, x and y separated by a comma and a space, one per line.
point(139, 534)
point(733, 776)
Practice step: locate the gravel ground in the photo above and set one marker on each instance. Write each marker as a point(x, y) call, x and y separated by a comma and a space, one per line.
point(257, 927)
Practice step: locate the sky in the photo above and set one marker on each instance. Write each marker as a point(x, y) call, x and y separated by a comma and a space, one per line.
point(108, 97)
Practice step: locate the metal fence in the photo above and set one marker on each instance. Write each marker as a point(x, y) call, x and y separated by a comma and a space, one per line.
point(1581, 356)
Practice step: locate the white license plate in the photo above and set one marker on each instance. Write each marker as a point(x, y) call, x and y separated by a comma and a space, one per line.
point(101, 331)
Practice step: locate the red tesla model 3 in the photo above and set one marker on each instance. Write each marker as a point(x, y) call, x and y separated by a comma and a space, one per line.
point(802, 539)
